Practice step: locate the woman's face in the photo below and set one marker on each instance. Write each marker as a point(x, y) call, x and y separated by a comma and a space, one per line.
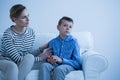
point(23, 19)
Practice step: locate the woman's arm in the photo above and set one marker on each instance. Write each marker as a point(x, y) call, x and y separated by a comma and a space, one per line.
point(11, 50)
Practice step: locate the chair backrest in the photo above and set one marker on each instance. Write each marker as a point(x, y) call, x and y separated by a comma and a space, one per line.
point(85, 39)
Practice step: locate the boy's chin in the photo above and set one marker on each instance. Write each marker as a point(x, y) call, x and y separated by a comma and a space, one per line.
point(26, 26)
point(67, 34)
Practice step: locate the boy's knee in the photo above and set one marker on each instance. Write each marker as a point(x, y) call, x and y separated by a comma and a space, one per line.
point(63, 69)
point(45, 66)
point(59, 69)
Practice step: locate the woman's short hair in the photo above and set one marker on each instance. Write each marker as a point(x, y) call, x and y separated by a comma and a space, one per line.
point(16, 10)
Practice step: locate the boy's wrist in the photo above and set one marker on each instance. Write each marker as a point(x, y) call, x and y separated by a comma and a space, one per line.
point(60, 62)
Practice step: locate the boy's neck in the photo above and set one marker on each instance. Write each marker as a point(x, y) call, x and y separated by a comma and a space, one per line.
point(63, 36)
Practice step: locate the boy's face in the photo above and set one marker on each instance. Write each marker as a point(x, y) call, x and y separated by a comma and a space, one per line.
point(65, 27)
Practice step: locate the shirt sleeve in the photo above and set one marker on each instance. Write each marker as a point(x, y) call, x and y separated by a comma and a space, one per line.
point(36, 53)
point(75, 59)
point(11, 50)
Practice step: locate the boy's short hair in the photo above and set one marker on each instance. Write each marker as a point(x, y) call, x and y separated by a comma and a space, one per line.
point(65, 18)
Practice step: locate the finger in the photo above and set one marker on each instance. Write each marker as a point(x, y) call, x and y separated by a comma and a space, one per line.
point(49, 51)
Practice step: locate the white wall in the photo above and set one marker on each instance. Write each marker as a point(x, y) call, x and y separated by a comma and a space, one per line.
point(101, 17)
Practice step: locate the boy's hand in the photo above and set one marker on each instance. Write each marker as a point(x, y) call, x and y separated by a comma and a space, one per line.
point(57, 59)
point(53, 59)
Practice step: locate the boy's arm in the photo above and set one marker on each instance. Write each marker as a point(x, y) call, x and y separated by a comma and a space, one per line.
point(75, 59)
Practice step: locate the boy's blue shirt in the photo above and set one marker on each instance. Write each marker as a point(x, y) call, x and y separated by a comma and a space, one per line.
point(67, 49)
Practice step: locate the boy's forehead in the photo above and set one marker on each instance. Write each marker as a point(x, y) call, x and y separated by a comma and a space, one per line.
point(66, 21)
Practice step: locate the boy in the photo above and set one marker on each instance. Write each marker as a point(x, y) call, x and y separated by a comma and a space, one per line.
point(65, 57)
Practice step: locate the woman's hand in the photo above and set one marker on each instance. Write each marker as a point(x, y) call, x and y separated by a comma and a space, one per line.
point(47, 53)
point(43, 47)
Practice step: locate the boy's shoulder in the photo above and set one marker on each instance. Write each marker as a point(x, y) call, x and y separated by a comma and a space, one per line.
point(74, 40)
point(54, 39)
point(71, 39)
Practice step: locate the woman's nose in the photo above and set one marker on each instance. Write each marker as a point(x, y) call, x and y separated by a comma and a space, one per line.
point(27, 18)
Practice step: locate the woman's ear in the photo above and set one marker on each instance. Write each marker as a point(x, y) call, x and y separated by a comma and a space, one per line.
point(14, 19)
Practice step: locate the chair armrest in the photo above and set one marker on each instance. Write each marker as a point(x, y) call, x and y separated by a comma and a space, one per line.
point(93, 63)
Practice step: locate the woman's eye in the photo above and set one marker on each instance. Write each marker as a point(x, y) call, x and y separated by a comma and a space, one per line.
point(23, 17)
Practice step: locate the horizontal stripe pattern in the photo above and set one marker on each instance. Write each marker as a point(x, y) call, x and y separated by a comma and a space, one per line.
point(16, 46)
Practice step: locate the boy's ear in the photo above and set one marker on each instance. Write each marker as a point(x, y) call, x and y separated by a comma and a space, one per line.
point(57, 27)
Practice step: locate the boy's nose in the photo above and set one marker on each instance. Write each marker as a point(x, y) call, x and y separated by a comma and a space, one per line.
point(68, 28)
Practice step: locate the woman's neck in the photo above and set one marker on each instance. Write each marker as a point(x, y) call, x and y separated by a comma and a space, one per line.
point(19, 29)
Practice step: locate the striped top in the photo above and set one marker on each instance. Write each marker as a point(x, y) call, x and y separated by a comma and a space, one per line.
point(15, 46)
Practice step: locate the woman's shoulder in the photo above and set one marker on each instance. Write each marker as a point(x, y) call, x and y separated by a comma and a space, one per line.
point(30, 30)
point(8, 31)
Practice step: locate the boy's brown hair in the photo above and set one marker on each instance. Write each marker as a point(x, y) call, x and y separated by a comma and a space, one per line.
point(65, 18)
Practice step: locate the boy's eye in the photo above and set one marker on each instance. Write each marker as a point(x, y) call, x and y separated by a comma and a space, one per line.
point(23, 17)
point(70, 26)
point(64, 25)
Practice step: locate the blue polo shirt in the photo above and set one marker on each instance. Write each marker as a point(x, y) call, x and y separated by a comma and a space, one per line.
point(67, 49)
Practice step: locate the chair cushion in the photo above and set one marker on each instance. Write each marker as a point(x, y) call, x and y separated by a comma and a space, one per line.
point(75, 75)
point(85, 40)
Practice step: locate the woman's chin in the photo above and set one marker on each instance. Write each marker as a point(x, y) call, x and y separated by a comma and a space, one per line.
point(26, 25)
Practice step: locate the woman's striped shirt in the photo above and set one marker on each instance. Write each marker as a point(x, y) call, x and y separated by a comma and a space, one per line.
point(15, 46)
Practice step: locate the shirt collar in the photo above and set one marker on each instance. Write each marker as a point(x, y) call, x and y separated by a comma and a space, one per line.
point(68, 38)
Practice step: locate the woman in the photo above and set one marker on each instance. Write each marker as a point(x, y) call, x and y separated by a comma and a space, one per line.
point(16, 46)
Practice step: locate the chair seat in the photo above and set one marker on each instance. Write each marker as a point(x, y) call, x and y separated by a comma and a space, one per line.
point(33, 75)
point(74, 75)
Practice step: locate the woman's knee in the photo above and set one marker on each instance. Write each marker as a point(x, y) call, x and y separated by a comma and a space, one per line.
point(12, 66)
point(29, 58)
point(9, 66)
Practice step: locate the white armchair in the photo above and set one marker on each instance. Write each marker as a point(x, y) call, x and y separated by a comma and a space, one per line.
point(93, 63)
